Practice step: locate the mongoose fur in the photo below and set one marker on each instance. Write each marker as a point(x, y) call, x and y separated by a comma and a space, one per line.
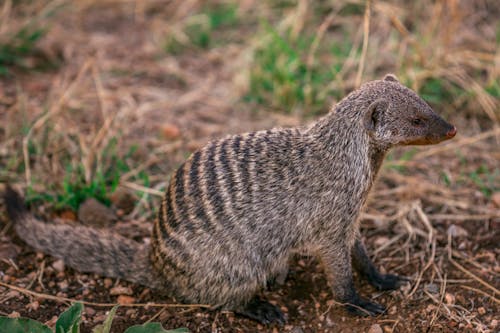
point(238, 207)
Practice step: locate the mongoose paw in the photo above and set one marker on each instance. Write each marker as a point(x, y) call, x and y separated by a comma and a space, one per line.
point(263, 312)
point(387, 281)
point(363, 307)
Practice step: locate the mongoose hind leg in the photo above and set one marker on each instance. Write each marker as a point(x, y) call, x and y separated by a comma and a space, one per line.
point(277, 281)
point(262, 311)
point(363, 264)
point(338, 268)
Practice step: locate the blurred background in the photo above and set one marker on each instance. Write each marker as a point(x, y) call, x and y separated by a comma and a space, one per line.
point(104, 99)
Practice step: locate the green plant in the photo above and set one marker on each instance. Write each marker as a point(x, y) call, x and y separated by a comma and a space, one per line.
point(69, 322)
point(486, 180)
point(283, 76)
point(493, 89)
point(397, 163)
point(438, 91)
point(16, 48)
point(18, 43)
point(199, 28)
point(104, 181)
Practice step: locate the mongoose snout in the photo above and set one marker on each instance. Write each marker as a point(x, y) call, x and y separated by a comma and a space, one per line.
point(236, 209)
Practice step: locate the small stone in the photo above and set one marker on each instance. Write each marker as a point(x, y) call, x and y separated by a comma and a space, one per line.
point(14, 314)
point(89, 311)
point(495, 198)
point(52, 321)
point(123, 299)
point(108, 283)
point(329, 322)
point(119, 290)
point(93, 213)
point(375, 328)
point(461, 299)
point(99, 319)
point(12, 294)
point(393, 310)
point(494, 323)
point(457, 231)
point(297, 329)
point(33, 305)
point(130, 312)
point(123, 200)
point(449, 299)
point(379, 241)
point(432, 288)
point(430, 308)
point(170, 131)
point(63, 285)
point(58, 265)
point(387, 329)
point(481, 310)
point(68, 215)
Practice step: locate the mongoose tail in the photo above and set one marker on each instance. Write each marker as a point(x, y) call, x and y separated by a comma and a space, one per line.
point(82, 248)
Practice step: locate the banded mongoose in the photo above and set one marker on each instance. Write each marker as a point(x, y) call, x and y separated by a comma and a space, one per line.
point(237, 208)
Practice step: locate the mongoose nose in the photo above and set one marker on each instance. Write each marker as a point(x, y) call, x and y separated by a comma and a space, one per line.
point(451, 133)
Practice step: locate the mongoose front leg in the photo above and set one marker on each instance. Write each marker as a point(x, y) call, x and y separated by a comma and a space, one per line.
point(363, 264)
point(338, 268)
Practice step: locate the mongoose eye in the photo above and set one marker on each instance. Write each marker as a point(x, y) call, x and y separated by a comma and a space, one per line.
point(417, 122)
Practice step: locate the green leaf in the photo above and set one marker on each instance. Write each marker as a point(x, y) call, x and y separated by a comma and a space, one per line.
point(153, 328)
point(106, 326)
point(22, 325)
point(69, 321)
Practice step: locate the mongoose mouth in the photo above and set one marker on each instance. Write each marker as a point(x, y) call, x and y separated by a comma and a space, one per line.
point(431, 140)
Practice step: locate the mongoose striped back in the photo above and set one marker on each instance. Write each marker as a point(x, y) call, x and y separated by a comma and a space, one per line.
point(213, 216)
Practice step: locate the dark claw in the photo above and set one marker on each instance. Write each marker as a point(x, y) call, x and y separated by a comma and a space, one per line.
point(387, 281)
point(362, 307)
point(263, 312)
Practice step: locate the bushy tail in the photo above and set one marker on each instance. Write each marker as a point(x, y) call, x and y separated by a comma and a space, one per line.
point(85, 249)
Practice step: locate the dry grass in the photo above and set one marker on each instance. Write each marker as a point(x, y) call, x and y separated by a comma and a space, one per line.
point(120, 111)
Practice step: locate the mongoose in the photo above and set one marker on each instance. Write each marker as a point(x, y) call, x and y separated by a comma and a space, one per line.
point(237, 208)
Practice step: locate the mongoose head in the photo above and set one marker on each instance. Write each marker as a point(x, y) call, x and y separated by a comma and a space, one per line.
point(398, 116)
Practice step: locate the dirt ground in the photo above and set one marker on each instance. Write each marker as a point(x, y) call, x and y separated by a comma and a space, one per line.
point(428, 217)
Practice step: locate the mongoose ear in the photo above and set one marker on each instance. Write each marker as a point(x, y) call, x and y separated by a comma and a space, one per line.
point(372, 115)
point(391, 77)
